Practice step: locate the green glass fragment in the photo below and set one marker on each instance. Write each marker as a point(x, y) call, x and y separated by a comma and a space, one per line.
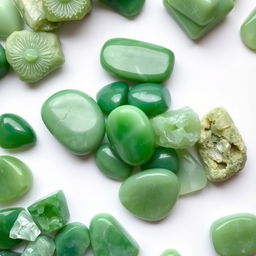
point(4, 65)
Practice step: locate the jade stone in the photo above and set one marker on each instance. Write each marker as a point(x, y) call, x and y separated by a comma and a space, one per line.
point(8, 253)
point(50, 213)
point(75, 120)
point(109, 238)
point(164, 158)
point(130, 133)
point(15, 179)
point(221, 146)
point(137, 60)
point(235, 235)
point(112, 96)
point(177, 129)
point(151, 194)
point(73, 240)
point(170, 252)
point(15, 132)
point(111, 165)
point(4, 65)
point(152, 98)
point(7, 219)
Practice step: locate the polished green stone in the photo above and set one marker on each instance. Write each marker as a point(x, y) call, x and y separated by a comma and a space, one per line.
point(50, 213)
point(151, 194)
point(152, 98)
point(15, 132)
point(111, 165)
point(112, 96)
point(130, 133)
point(137, 60)
point(73, 240)
point(15, 179)
point(7, 219)
point(4, 65)
point(109, 238)
point(8, 253)
point(235, 235)
point(75, 120)
point(170, 252)
point(164, 158)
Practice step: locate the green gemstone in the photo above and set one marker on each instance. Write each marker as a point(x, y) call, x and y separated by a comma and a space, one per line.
point(15, 132)
point(7, 219)
point(235, 235)
point(151, 194)
point(4, 65)
point(112, 96)
point(109, 238)
point(50, 213)
point(163, 158)
point(111, 165)
point(170, 252)
point(151, 98)
point(137, 60)
point(73, 240)
point(15, 179)
point(8, 253)
point(75, 120)
point(130, 133)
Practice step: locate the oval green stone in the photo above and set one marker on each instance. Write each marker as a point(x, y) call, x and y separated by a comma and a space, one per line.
point(75, 120)
point(170, 252)
point(4, 65)
point(130, 133)
point(150, 195)
point(137, 60)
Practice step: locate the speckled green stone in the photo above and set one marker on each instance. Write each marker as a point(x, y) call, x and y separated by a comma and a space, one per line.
point(170, 252)
point(4, 65)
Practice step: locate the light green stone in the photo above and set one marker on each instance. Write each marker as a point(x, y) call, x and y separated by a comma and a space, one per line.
point(170, 252)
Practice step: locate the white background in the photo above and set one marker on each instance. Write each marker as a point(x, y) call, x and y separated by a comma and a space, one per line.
point(216, 71)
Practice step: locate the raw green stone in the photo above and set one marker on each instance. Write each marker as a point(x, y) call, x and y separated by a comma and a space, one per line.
point(7, 219)
point(130, 133)
point(109, 238)
point(164, 158)
point(235, 235)
point(75, 120)
point(50, 213)
point(177, 128)
point(170, 252)
point(112, 96)
point(8, 253)
point(72, 240)
point(137, 60)
point(151, 98)
point(24, 228)
point(4, 65)
point(15, 132)
point(110, 164)
point(15, 179)
point(151, 194)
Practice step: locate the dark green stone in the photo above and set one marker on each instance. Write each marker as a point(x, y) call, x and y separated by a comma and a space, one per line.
point(4, 65)
point(8, 253)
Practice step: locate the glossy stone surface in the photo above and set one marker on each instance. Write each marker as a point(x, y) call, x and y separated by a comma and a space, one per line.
point(9, 253)
point(112, 96)
point(73, 240)
point(109, 238)
point(137, 60)
point(4, 65)
point(152, 98)
point(15, 132)
point(151, 194)
point(235, 235)
point(75, 120)
point(170, 252)
point(7, 219)
point(130, 133)
point(50, 213)
point(111, 165)
point(164, 158)
point(177, 128)
point(15, 179)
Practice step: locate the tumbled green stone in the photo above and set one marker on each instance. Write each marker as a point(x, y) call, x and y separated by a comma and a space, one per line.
point(112, 96)
point(151, 194)
point(111, 165)
point(8, 253)
point(177, 128)
point(73, 240)
point(130, 133)
point(137, 60)
point(7, 219)
point(235, 235)
point(50, 213)
point(170, 252)
point(75, 120)
point(15, 179)
point(109, 238)
point(152, 98)
point(4, 65)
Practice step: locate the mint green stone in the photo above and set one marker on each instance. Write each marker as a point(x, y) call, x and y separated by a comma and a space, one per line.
point(109, 238)
point(8, 253)
point(170, 252)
